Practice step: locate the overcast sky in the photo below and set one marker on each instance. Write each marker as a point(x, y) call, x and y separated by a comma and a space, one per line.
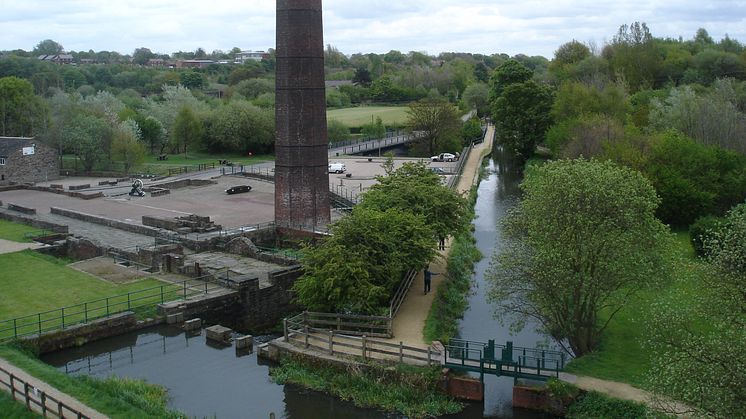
point(432, 26)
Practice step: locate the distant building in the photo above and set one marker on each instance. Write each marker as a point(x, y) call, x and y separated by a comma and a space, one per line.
point(25, 160)
point(156, 62)
point(57, 58)
point(245, 56)
point(194, 63)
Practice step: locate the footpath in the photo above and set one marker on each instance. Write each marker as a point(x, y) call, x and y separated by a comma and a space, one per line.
point(39, 387)
point(410, 321)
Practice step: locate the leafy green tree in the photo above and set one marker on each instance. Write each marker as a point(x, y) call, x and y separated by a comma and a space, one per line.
point(697, 348)
point(522, 117)
point(241, 127)
point(192, 80)
point(151, 131)
point(634, 57)
point(88, 136)
point(126, 146)
point(375, 129)
point(471, 131)
point(22, 113)
point(337, 131)
point(357, 268)
point(187, 129)
point(571, 52)
point(415, 188)
point(253, 88)
point(582, 241)
point(47, 47)
point(476, 96)
point(142, 55)
point(437, 126)
point(510, 72)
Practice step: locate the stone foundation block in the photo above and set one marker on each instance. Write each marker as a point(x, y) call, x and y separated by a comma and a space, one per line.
point(219, 334)
point(192, 325)
point(245, 342)
point(175, 318)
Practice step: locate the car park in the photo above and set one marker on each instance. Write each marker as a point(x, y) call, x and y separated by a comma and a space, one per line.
point(238, 189)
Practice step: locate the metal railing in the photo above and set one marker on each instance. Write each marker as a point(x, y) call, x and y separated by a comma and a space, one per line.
point(66, 317)
point(35, 399)
point(398, 299)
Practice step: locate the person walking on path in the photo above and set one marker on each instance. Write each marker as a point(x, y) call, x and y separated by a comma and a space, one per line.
point(442, 243)
point(429, 278)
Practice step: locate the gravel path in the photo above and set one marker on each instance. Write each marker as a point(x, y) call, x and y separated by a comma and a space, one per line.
point(7, 246)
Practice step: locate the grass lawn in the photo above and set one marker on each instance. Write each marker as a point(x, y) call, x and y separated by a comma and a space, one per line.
point(32, 283)
point(151, 164)
point(14, 409)
point(621, 356)
point(358, 116)
point(17, 232)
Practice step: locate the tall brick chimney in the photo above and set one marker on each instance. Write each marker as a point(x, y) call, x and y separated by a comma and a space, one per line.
point(301, 178)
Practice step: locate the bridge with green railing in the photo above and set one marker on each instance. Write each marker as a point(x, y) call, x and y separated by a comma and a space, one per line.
point(503, 360)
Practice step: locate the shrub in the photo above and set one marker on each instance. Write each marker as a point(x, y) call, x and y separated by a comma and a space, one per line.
point(703, 230)
point(595, 405)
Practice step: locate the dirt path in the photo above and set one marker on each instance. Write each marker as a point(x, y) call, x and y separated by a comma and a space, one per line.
point(39, 387)
point(410, 321)
point(7, 246)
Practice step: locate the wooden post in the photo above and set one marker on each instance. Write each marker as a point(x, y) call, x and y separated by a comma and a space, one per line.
point(12, 387)
point(285, 328)
point(43, 404)
point(339, 323)
point(331, 342)
point(306, 335)
point(364, 344)
point(401, 351)
point(429, 356)
point(26, 396)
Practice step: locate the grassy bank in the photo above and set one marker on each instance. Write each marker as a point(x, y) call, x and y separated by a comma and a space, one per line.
point(114, 397)
point(451, 301)
point(17, 232)
point(621, 356)
point(408, 390)
point(10, 408)
point(359, 116)
point(32, 283)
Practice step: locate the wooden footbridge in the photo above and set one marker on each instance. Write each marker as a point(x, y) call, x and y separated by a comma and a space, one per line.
point(369, 337)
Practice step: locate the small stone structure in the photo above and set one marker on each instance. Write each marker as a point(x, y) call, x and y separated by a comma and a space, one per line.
point(186, 224)
point(20, 208)
point(219, 334)
point(192, 325)
point(25, 160)
point(245, 342)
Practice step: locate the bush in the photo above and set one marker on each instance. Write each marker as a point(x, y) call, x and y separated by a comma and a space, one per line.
point(595, 405)
point(703, 230)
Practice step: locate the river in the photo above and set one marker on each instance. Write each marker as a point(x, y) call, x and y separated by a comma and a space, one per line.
point(205, 380)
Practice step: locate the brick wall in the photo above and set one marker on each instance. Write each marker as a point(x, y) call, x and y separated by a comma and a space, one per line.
point(42, 166)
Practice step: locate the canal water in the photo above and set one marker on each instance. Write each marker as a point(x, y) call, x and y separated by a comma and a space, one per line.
point(207, 380)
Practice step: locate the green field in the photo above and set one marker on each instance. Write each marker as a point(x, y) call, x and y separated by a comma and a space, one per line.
point(621, 356)
point(392, 116)
point(17, 232)
point(33, 283)
point(151, 164)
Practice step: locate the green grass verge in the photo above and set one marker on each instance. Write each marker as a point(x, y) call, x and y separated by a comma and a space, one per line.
point(10, 408)
point(114, 397)
point(408, 390)
point(33, 283)
point(17, 232)
point(151, 164)
point(621, 356)
point(452, 298)
point(359, 116)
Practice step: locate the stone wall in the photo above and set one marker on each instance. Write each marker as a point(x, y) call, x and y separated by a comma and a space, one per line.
point(186, 183)
point(57, 228)
point(266, 307)
point(42, 166)
point(81, 334)
point(95, 219)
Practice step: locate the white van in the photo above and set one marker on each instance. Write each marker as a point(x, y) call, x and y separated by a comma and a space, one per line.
point(337, 168)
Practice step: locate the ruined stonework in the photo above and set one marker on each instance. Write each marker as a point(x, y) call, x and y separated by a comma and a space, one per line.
point(301, 178)
point(40, 164)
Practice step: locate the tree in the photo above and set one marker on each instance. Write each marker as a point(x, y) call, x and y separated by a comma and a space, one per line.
point(375, 129)
point(471, 131)
point(522, 117)
point(697, 349)
point(47, 47)
point(362, 77)
point(510, 72)
point(22, 113)
point(88, 136)
point(126, 146)
point(187, 129)
point(358, 267)
point(476, 96)
point(415, 188)
point(571, 53)
point(582, 241)
point(142, 55)
point(437, 125)
point(337, 131)
point(151, 131)
point(192, 80)
point(240, 127)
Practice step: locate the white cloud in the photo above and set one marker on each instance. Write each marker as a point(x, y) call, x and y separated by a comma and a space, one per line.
point(531, 27)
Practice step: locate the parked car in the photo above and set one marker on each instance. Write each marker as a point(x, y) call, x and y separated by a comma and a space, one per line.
point(337, 167)
point(444, 157)
point(438, 170)
point(238, 189)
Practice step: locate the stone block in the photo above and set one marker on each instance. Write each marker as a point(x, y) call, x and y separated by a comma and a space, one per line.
point(175, 318)
point(245, 342)
point(56, 186)
point(219, 334)
point(79, 187)
point(19, 208)
point(192, 325)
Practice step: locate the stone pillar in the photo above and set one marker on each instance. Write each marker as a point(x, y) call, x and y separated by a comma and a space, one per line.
point(301, 178)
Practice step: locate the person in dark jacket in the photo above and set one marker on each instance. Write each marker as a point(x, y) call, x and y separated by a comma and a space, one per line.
point(429, 278)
